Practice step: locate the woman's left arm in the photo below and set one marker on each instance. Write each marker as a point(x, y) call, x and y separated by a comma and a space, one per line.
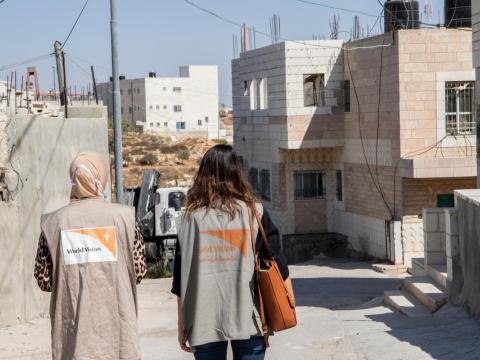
point(43, 271)
point(139, 257)
point(275, 245)
point(273, 237)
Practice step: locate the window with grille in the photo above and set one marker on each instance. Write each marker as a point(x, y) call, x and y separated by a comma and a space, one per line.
point(339, 185)
point(314, 90)
point(199, 122)
point(309, 185)
point(177, 89)
point(459, 108)
point(346, 95)
point(177, 108)
point(264, 185)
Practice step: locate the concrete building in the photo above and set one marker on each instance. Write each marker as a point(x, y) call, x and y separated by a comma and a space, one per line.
point(186, 105)
point(35, 155)
point(476, 64)
point(357, 138)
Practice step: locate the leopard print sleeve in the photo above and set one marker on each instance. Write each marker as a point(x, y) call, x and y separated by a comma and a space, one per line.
point(139, 257)
point(43, 271)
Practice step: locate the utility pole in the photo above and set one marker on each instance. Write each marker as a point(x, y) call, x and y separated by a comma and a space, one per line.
point(94, 84)
point(60, 72)
point(117, 116)
point(54, 85)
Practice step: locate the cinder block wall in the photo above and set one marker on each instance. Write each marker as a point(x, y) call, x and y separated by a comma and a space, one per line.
point(43, 148)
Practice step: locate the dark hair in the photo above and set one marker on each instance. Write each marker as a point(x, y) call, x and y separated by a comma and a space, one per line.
point(220, 182)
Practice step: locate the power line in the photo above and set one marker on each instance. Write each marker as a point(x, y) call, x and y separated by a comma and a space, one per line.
point(218, 16)
point(24, 62)
point(377, 185)
point(75, 24)
point(336, 8)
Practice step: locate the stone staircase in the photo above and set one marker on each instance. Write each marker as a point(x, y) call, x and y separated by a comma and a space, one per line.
point(423, 293)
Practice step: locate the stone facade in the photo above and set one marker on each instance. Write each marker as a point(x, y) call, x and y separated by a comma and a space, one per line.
point(389, 142)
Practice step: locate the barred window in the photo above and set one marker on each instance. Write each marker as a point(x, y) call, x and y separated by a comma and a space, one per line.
point(264, 186)
point(459, 108)
point(339, 185)
point(309, 185)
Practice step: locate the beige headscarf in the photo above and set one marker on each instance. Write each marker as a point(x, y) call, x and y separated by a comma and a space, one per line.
point(89, 175)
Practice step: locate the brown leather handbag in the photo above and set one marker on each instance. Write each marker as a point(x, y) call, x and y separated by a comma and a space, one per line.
point(277, 306)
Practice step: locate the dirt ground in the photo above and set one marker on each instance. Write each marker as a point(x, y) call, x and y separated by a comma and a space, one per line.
point(341, 316)
point(177, 160)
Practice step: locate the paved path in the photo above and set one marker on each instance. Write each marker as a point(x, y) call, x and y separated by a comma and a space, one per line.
point(341, 317)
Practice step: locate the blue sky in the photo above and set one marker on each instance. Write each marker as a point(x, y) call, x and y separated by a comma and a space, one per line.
point(157, 35)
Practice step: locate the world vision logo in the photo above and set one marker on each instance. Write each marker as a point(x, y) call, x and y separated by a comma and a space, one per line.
point(88, 245)
point(239, 239)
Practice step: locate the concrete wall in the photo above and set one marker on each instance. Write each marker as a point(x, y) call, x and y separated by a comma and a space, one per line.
point(465, 278)
point(476, 65)
point(434, 236)
point(43, 148)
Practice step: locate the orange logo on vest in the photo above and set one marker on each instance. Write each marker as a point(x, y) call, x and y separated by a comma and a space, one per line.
point(237, 238)
point(89, 245)
point(104, 235)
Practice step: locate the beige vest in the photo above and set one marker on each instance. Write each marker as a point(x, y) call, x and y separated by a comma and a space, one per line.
point(93, 306)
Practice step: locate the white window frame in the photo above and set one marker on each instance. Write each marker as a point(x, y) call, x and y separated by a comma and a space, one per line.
point(263, 93)
point(442, 79)
point(253, 89)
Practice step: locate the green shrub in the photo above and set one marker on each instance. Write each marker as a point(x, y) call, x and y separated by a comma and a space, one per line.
point(157, 270)
point(126, 126)
point(220, 141)
point(183, 154)
point(127, 157)
point(149, 159)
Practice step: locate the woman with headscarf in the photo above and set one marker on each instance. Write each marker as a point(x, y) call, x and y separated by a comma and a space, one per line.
point(90, 257)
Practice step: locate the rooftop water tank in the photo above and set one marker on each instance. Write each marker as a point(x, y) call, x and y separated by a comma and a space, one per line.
point(401, 14)
point(458, 13)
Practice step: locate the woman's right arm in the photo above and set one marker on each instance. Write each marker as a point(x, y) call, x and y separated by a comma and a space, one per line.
point(181, 333)
point(176, 289)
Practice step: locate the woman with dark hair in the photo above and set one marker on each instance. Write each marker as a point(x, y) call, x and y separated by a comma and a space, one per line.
point(214, 272)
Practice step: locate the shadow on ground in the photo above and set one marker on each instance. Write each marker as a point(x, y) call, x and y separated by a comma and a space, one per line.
point(344, 283)
point(338, 293)
point(448, 335)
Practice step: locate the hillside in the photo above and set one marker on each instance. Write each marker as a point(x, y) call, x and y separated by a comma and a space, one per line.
point(177, 160)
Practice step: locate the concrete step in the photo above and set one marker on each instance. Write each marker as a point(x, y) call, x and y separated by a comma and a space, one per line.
point(390, 269)
point(405, 303)
point(418, 267)
point(427, 291)
point(438, 273)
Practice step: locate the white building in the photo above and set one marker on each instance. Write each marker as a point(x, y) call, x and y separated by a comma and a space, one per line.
point(186, 105)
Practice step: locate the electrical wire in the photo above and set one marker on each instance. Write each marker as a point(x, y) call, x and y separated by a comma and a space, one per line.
point(378, 109)
point(336, 8)
point(377, 186)
point(75, 23)
point(25, 62)
point(218, 16)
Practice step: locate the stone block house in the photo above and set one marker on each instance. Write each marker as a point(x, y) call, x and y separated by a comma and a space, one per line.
point(357, 138)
